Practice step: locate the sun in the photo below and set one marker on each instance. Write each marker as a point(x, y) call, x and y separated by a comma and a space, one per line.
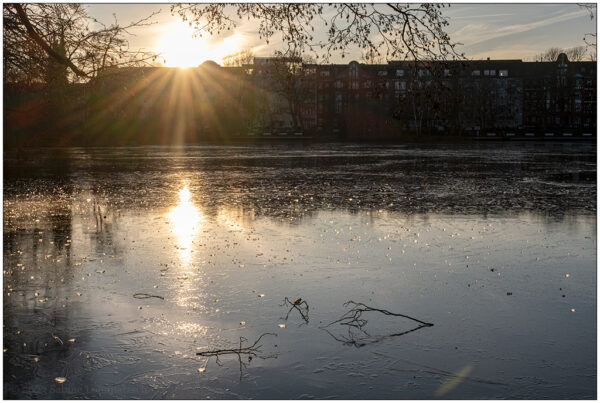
point(181, 48)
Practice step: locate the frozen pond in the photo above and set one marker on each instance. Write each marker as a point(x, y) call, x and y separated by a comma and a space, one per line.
point(120, 265)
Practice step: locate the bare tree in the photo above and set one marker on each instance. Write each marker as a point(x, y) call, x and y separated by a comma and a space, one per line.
point(369, 56)
point(550, 55)
point(407, 31)
point(576, 54)
point(64, 34)
point(288, 74)
point(245, 56)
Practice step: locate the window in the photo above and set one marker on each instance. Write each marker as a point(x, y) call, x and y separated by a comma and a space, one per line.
point(367, 84)
point(492, 72)
point(354, 85)
point(399, 73)
point(382, 73)
point(446, 73)
point(397, 85)
point(339, 84)
point(353, 71)
point(476, 73)
point(325, 73)
point(503, 73)
point(486, 72)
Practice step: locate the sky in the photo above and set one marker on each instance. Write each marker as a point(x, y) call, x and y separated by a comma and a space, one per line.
point(498, 31)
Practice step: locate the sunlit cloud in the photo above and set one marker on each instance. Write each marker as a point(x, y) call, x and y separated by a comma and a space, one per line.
point(179, 46)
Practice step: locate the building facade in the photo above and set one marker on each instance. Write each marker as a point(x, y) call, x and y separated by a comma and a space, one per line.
point(452, 97)
point(284, 97)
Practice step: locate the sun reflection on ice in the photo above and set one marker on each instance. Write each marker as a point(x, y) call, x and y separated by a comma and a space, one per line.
point(185, 218)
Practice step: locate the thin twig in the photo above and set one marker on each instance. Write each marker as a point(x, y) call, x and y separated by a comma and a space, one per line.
point(249, 351)
point(143, 295)
point(352, 319)
point(353, 315)
point(253, 349)
point(300, 305)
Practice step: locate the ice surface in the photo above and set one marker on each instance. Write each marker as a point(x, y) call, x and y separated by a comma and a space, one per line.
point(494, 244)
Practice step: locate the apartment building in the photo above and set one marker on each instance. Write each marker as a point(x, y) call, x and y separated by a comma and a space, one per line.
point(452, 97)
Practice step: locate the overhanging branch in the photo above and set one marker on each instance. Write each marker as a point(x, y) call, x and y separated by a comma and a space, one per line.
point(47, 48)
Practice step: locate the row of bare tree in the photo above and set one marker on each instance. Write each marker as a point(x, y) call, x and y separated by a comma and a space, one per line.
point(575, 54)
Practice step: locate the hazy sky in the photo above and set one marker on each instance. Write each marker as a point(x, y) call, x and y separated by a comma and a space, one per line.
point(498, 31)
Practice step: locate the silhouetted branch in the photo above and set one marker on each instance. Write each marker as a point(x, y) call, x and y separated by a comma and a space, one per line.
point(42, 43)
point(43, 40)
point(352, 319)
point(412, 30)
point(250, 351)
point(300, 305)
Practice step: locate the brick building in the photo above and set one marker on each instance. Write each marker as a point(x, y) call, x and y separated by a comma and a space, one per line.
point(454, 97)
point(284, 97)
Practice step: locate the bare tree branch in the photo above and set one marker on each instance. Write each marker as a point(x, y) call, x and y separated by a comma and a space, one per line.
point(36, 37)
point(398, 30)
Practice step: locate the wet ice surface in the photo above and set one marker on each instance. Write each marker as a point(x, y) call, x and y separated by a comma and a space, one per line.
point(493, 244)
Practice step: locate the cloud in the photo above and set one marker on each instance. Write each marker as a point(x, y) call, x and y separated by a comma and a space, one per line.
point(464, 17)
point(475, 34)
